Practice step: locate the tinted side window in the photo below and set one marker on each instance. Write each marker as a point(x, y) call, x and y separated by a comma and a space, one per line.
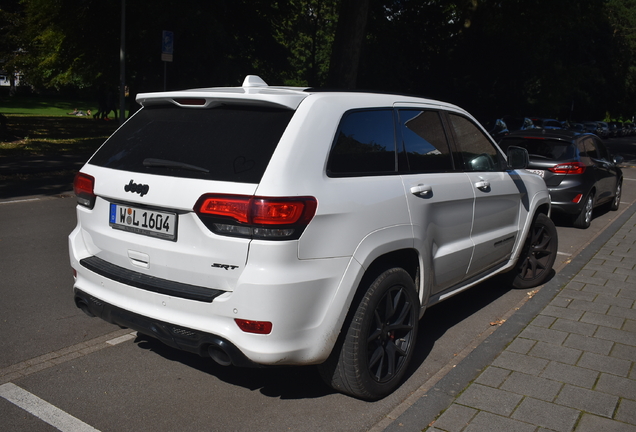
point(601, 150)
point(425, 141)
point(364, 145)
point(477, 152)
point(587, 149)
point(227, 143)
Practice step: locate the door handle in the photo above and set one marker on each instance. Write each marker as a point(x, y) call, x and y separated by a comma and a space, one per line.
point(421, 190)
point(482, 184)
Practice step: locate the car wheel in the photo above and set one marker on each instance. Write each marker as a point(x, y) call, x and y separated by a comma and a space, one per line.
point(584, 219)
point(538, 254)
point(371, 360)
point(617, 196)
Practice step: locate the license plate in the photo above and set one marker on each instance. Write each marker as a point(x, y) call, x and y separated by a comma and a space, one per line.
point(540, 173)
point(143, 221)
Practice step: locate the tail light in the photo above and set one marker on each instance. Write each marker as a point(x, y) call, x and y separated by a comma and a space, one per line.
point(568, 168)
point(83, 186)
point(256, 217)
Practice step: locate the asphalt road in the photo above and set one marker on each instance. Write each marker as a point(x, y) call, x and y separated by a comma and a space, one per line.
point(80, 373)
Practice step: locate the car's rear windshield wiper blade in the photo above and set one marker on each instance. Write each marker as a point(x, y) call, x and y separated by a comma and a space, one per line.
point(161, 163)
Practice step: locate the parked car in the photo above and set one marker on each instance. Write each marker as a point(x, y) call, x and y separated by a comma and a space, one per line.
point(613, 129)
point(576, 167)
point(630, 128)
point(518, 123)
point(550, 124)
point(592, 127)
point(605, 132)
point(617, 129)
point(264, 225)
point(496, 128)
point(576, 127)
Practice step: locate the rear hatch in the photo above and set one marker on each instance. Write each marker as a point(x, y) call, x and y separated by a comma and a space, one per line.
point(149, 177)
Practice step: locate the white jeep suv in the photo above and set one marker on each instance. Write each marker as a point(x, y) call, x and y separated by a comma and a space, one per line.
point(267, 225)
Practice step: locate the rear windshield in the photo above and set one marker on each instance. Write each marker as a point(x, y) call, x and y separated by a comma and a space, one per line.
point(539, 149)
point(227, 143)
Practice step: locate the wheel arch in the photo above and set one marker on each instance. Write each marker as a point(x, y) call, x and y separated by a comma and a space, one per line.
point(407, 259)
point(542, 206)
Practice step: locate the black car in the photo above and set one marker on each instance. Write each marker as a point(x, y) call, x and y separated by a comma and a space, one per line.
point(576, 167)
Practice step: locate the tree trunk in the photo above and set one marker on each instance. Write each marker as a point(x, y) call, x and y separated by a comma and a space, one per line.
point(347, 46)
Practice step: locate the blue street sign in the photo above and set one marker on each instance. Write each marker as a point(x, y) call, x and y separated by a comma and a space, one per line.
point(167, 46)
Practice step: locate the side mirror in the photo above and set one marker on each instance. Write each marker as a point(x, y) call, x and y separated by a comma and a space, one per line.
point(517, 158)
point(618, 159)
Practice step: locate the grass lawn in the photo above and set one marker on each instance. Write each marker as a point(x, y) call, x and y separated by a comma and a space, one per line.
point(45, 135)
point(38, 125)
point(31, 104)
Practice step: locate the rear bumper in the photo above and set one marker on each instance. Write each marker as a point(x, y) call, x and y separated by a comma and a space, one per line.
point(194, 341)
point(563, 196)
point(305, 300)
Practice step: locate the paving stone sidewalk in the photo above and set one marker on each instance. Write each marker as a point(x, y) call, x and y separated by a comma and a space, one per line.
point(572, 367)
point(563, 362)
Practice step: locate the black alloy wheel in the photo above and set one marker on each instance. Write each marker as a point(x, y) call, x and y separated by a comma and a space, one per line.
point(584, 219)
point(538, 255)
point(390, 334)
point(371, 360)
point(617, 196)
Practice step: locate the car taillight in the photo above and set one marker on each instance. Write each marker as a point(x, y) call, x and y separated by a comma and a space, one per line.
point(258, 327)
point(568, 168)
point(225, 206)
point(83, 186)
point(256, 217)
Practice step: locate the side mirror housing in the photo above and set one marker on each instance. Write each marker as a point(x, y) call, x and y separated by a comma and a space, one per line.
point(517, 158)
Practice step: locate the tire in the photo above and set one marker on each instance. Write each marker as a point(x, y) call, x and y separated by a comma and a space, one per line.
point(617, 196)
point(370, 361)
point(538, 254)
point(584, 219)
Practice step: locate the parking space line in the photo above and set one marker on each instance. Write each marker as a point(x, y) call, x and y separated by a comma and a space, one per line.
point(19, 201)
point(34, 365)
point(121, 339)
point(43, 410)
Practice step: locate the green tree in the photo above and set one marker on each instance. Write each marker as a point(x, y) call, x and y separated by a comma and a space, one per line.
point(64, 43)
point(307, 32)
point(621, 16)
point(409, 43)
point(11, 24)
point(562, 58)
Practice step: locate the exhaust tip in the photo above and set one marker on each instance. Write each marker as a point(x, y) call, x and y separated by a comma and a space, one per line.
point(219, 355)
point(81, 303)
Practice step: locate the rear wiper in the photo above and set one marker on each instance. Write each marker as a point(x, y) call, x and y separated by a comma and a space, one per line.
point(161, 163)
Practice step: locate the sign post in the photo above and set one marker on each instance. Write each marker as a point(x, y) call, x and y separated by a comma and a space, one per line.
point(167, 50)
point(122, 65)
